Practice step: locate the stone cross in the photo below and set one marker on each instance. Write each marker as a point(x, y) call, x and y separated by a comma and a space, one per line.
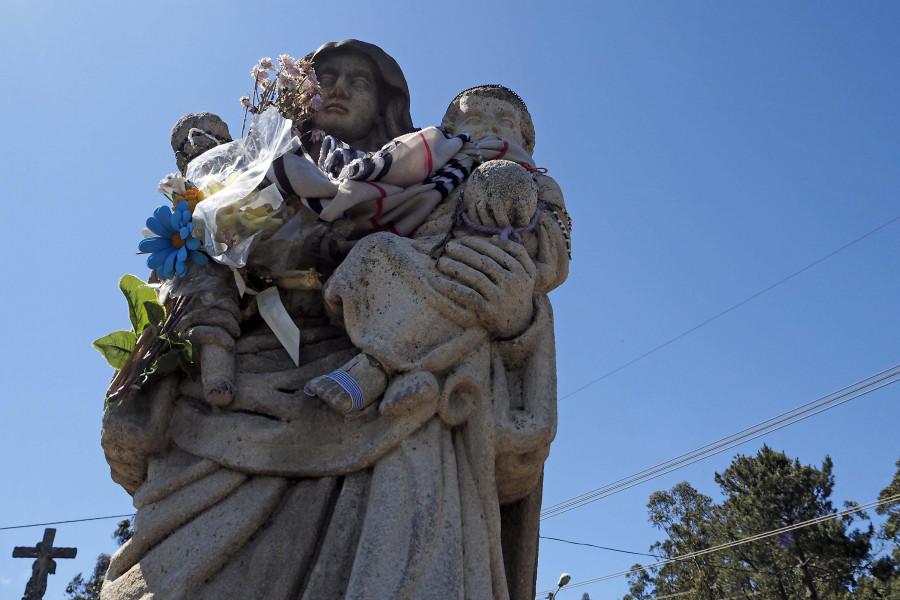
point(44, 552)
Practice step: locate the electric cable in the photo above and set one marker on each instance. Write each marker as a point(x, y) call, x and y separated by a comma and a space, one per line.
point(656, 556)
point(634, 483)
point(856, 390)
point(794, 411)
point(747, 429)
point(130, 515)
point(545, 537)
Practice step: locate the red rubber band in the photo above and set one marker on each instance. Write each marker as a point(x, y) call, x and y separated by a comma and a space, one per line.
point(534, 169)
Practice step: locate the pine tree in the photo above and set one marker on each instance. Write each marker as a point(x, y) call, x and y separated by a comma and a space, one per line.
point(768, 492)
point(883, 580)
point(890, 530)
point(762, 493)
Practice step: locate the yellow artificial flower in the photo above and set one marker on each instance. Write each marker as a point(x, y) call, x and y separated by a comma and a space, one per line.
point(193, 196)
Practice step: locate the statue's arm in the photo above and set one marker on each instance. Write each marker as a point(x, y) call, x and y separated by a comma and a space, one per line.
point(137, 428)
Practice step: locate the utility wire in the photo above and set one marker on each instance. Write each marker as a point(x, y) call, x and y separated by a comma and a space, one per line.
point(728, 310)
point(656, 556)
point(800, 413)
point(634, 482)
point(544, 537)
point(130, 515)
point(818, 402)
point(740, 542)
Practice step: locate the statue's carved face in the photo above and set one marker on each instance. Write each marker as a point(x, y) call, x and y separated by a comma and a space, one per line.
point(484, 116)
point(349, 96)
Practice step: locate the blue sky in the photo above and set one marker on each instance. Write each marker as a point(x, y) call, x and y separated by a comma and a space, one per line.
point(706, 150)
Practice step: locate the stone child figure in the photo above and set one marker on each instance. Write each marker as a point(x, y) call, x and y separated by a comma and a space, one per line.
point(276, 495)
point(501, 197)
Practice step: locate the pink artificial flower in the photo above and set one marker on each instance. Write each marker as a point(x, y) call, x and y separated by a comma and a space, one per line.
point(266, 63)
point(315, 103)
point(287, 61)
point(245, 101)
point(258, 73)
point(309, 86)
point(311, 76)
point(285, 81)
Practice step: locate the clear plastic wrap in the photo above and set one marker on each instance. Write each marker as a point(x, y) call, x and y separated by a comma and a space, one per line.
point(234, 213)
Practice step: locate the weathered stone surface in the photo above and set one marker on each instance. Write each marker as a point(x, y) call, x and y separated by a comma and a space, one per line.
point(196, 133)
point(248, 487)
point(501, 193)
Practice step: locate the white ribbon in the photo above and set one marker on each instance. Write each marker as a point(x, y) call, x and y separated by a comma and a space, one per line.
point(276, 316)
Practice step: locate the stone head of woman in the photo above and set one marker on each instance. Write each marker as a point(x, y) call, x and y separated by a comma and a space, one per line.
point(365, 99)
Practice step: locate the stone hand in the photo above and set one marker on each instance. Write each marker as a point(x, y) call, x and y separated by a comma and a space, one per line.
point(492, 279)
point(212, 323)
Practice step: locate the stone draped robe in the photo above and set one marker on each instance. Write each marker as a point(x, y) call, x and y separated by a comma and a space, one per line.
point(277, 496)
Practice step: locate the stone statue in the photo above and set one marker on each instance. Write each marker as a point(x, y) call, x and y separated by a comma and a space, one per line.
point(431, 489)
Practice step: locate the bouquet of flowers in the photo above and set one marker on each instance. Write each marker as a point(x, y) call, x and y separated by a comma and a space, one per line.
point(218, 212)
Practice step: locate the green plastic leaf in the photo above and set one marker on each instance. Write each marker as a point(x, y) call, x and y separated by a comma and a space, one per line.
point(116, 347)
point(166, 362)
point(137, 293)
point(186, 360)
point(156, 315)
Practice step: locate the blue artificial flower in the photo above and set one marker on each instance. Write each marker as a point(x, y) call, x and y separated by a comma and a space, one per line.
point(169, 252)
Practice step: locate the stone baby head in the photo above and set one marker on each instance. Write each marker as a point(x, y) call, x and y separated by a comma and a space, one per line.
point(488, 110)
point(364, 93)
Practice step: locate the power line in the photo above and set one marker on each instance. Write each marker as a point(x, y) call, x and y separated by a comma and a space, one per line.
point(787, 415)
point(656, 556)
point(544, 537)
point(130, 515)
point(634, 481)
point(855, 390)
point(728, 310)
point(741, 542)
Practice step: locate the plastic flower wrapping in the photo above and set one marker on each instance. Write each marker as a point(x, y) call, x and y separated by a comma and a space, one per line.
point(221, 211)
point(229, 216)
point(241, 225)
